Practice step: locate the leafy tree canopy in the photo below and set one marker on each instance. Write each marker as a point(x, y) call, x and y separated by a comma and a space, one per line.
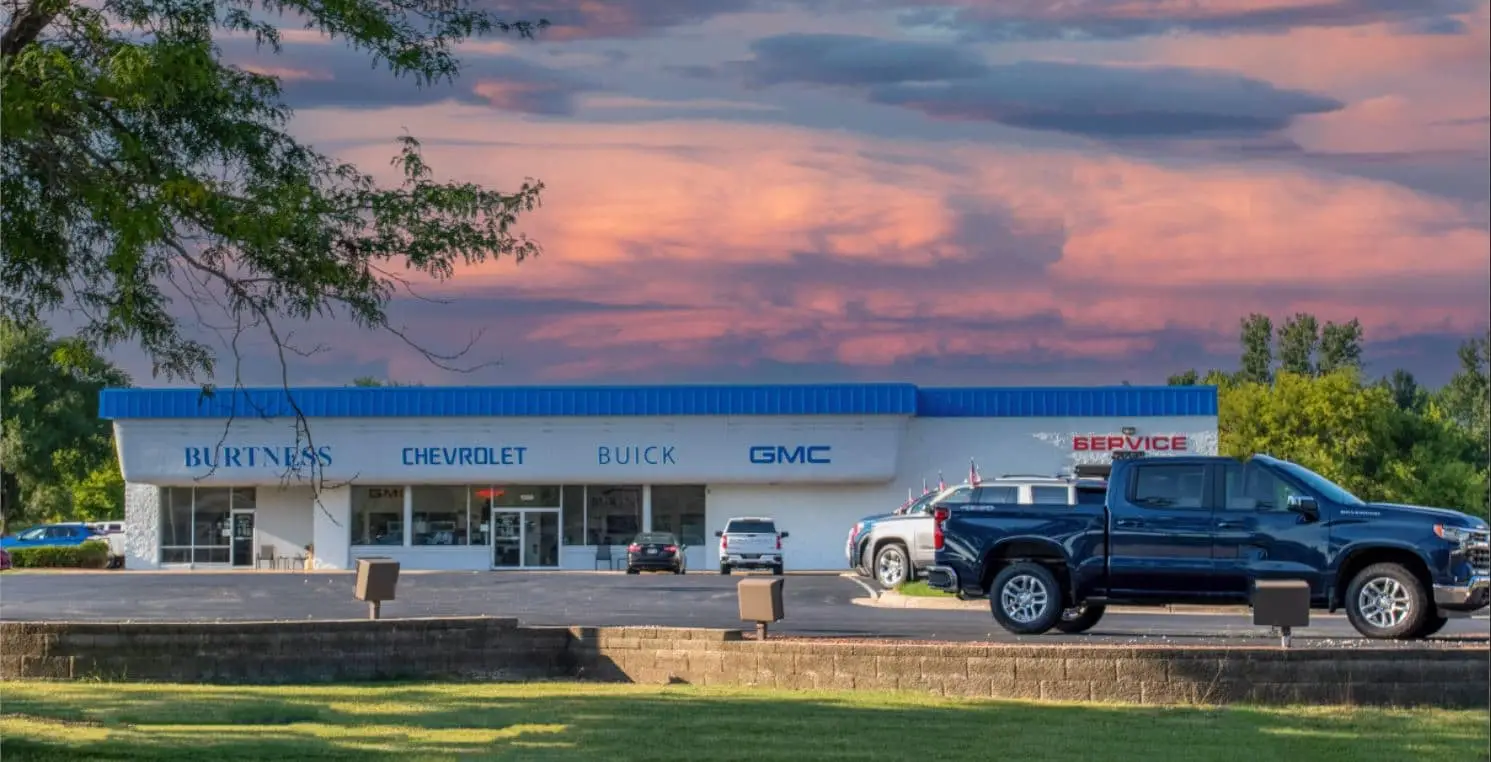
point(138, 166)
point(56, 454)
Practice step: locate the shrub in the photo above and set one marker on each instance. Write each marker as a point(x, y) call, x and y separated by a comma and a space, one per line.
point(93, 554)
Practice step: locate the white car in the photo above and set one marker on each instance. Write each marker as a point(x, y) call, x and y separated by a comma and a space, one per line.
point(751, 542)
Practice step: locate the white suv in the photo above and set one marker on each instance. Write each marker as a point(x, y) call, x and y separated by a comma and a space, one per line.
point(751, 543)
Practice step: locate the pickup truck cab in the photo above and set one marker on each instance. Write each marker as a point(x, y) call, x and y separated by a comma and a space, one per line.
point(1180, 529)
point(897, 548)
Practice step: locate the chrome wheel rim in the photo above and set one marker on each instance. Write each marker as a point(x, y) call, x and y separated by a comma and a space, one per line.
point(1024, 598)
point(1384, 602)
point(891, 568)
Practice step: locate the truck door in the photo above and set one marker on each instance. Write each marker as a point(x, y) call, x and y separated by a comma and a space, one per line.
point(1160, 533)
point(1258, 537)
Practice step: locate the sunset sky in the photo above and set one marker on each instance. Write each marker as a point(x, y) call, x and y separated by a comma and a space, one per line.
point(936, 191)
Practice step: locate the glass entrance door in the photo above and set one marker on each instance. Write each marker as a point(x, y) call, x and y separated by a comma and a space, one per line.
point(541, 539)
point(242, 546)
point(507, 539)
point(525, 539)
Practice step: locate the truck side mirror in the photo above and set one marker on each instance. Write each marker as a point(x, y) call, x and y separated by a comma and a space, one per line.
point(1304, 505)
point(785, 535)
point(719, 534)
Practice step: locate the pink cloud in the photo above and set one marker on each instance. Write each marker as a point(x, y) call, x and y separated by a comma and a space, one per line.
point(697, 226)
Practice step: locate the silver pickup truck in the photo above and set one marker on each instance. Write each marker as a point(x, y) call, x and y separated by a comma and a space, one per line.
point(898, 548)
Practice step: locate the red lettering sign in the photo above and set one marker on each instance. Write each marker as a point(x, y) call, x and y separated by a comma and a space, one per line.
point(1148, 443)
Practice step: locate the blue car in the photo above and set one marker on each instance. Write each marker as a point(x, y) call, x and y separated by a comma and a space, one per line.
point(49, 534)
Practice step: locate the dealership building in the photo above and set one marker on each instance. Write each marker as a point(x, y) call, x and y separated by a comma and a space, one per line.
point(557, 477)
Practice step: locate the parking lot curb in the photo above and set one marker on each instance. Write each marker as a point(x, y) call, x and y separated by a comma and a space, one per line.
point(890, 599)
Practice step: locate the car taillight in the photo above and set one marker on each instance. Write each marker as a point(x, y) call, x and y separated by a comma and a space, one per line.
point(725, 541)
point(633, 548)
point(939, 515)
point(779, 542)
point(671, 548)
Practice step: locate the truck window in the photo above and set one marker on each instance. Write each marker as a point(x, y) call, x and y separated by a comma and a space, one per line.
point(750, 527)
point(987, 495)
point(1251, 487)
point(1050, 496)
point(1092, 495)
point(1170, 485)
point(959, 496)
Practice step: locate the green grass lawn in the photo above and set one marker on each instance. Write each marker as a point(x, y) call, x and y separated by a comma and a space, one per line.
point(586, 721)
point(920, 590)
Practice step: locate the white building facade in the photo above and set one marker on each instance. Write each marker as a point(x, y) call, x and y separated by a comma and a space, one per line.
point(553, 477)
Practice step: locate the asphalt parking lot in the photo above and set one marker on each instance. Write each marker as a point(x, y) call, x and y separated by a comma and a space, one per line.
point(820, 605)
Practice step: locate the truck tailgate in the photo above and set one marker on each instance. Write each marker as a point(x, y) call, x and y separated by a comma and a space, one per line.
point(742, 543)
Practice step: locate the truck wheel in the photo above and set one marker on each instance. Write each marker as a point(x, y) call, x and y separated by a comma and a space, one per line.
point(1385, 601)
point(1026, 599)
point(892, 567)
point(1080, 619)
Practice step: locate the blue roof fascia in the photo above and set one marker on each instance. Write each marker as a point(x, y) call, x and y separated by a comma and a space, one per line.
point(1061, 402)
point(512, 401)
point(614, 401)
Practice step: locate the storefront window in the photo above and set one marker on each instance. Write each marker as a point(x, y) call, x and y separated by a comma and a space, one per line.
point(439, 515)
point(176, 525)
point(194, 524)
point(574, 515)
point(679, 509)
point(613, 514)
point(377, 515)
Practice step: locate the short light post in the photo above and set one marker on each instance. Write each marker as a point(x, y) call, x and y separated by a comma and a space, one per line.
point(376, 580)
point(760, 602)
point(1282, 604)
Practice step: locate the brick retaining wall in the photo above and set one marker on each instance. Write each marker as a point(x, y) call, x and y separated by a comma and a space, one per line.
point(497, 649)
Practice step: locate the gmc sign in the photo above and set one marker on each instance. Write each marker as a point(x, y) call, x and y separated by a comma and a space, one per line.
point(768, 454)
point(1112, 442)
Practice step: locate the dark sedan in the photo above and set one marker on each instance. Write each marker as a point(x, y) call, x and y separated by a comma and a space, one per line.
point(654, 551)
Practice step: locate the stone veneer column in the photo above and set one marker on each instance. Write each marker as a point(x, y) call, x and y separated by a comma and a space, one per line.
point(142, 503)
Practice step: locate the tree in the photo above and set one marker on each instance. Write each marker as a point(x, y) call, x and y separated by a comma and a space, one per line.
point(1406, 391)
point(56, 454)
point(1298, 338)
point(1467, 397)
point(1188, 378)
point(140, 164)
point(1340, 346)
point(1258, 355)
point(1331, 423)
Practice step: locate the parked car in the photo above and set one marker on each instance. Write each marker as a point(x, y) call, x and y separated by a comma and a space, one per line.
point(68, 533)
point(854, 556)
point(751, 543)
point(1399, 571)
point(655, 551)
point(898, 548)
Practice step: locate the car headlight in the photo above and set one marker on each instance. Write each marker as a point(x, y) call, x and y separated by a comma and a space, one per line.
point(1457, 535)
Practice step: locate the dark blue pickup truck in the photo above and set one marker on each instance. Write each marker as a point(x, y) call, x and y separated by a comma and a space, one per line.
point(1182, 529)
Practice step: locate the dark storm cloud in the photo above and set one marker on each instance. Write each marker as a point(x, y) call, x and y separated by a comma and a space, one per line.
point(1086, 99)
point(330, 75)
point(1117, 19)
point(841, 59)
point(1106, 101)
point(588, 19)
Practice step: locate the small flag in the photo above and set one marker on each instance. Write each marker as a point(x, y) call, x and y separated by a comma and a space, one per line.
point(940, 484)
point(973, 480)
point(924, 486)
point(909, 496)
